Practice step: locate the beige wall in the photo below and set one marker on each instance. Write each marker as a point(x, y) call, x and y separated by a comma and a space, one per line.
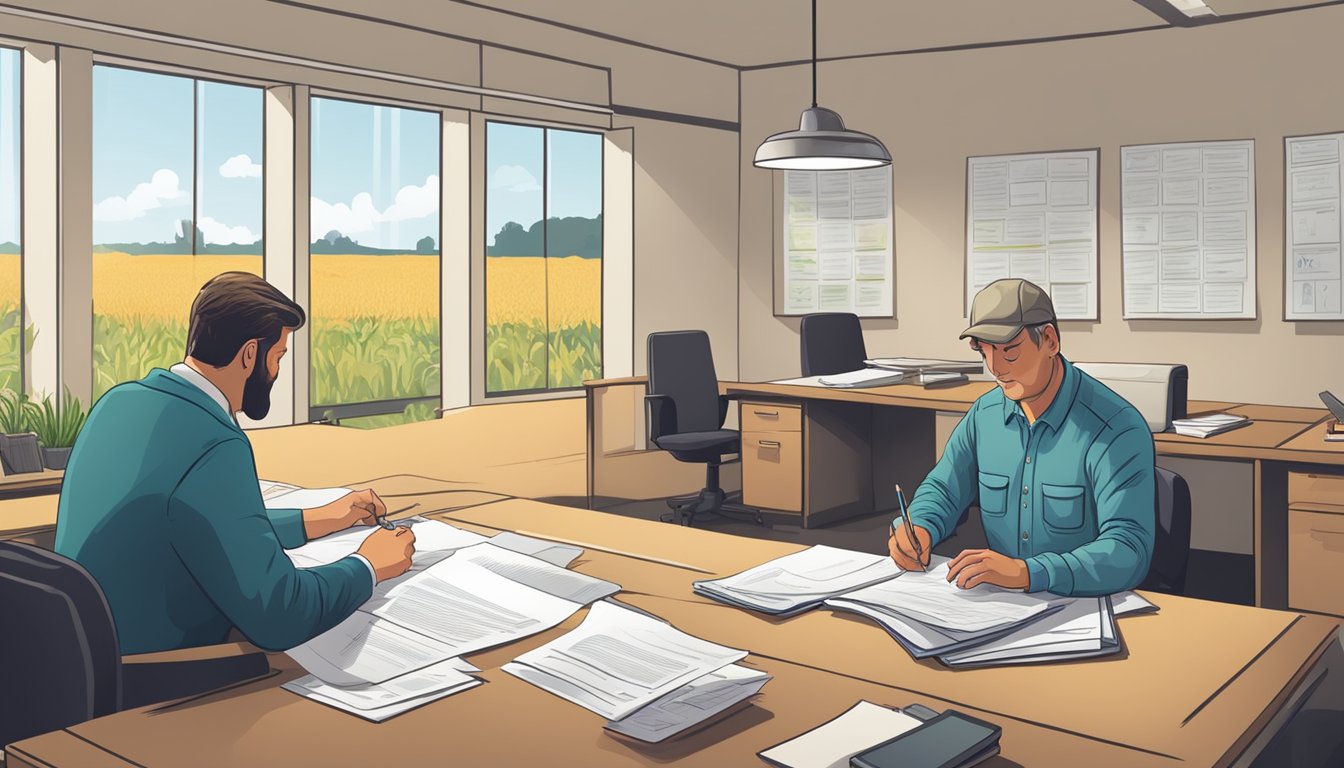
point(1261, 79)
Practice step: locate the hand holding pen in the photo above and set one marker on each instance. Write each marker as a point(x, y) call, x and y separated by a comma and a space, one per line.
point(907, 542)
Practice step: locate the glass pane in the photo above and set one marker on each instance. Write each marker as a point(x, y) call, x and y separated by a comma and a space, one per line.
point(515, 264)
point(228, 181)
point(144, 275)
point(11, 229)
point(375, 253)
point(573, 257)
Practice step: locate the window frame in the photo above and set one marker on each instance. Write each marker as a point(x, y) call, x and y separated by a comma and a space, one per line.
point(545, 248)
point(21, 166)
point(321, 414)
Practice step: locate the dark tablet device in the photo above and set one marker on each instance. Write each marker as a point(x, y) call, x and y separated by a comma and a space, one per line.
point(949, 740)
point(1336, 407)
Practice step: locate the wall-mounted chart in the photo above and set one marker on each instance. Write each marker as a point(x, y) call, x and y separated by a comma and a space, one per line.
point(1311, 248)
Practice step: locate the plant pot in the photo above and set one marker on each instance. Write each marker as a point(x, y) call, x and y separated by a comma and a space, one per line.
point(55, 458)
point(19, 453)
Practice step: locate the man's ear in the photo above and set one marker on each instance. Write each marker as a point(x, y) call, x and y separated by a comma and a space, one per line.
point(1051, 339)
point(249, 354)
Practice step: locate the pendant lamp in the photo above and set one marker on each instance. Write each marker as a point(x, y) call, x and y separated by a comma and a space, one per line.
point(821, 142)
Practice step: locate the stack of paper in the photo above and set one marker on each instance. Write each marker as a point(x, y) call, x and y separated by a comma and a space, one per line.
point(620, 661)
point(691, 704)
point(794, 583)
point(932, 379)
point(930, 616)
point(1208, 426)
point(924, 364)
point(378, 702)
point(865, 377)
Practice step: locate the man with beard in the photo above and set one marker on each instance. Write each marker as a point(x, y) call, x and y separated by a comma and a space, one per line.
point(162, 506)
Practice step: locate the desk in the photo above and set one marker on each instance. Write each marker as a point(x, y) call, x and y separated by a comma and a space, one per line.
point(901, 443)
point(1164, 701)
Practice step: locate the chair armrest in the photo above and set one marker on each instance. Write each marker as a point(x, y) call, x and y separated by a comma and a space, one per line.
point(723, 408)
point(149, 678)
point(661, 412)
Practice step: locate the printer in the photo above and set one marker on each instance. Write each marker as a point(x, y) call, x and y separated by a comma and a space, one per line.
point(1158, 391)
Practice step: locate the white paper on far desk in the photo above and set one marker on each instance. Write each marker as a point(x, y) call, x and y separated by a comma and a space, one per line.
point(364, 649)
point(471, 608)
point(832, 744)
point(693, 703)
point(618, 660)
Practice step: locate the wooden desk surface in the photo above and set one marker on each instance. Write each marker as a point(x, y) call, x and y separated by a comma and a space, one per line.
point(1310, 446)
point(1257, 441)
point(957, 398)
point(1167, 697)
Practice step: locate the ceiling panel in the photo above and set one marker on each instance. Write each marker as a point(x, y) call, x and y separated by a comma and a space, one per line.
point(754, 32)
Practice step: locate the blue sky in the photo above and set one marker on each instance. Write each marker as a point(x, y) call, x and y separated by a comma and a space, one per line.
point(9, 145)
point(143, 157)
point(513, 162)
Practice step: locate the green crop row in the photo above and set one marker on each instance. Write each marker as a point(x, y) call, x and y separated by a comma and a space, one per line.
point(519, 357)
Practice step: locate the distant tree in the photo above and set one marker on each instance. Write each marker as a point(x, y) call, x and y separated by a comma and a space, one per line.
point(513, 240)
point(424, 245)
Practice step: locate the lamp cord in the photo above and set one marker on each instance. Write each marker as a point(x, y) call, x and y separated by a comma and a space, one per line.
point(814, 54)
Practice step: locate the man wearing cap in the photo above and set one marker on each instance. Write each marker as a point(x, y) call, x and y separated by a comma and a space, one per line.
point(1062, 466)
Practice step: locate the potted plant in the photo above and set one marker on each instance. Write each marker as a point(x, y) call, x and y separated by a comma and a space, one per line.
point(18, 443)
point(57, 426)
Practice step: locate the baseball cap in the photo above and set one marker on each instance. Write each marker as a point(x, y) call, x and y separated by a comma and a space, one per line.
point(1004, 307)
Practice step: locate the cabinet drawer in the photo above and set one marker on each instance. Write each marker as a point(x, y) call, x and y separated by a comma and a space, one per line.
point(1316, 491)
point(771, 417)
point(1315, 561)
point(772, 470)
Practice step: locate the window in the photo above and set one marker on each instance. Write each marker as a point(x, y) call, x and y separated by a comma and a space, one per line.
point(11, 227)
point(543, 273)
point(374, 305)
point(177, 193)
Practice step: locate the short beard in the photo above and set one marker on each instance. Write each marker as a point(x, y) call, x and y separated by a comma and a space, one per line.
point(257, 388)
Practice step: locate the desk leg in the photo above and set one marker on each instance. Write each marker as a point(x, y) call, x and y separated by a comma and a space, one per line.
point(1271, 534)
point(904, 440)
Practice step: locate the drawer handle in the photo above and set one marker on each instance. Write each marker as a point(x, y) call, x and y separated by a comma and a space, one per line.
point(768, 443)
point(767, 413)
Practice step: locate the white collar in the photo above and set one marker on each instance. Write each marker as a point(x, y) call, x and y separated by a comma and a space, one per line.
point(205, 385)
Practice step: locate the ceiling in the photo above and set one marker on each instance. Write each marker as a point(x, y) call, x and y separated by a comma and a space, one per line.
point(754, 33)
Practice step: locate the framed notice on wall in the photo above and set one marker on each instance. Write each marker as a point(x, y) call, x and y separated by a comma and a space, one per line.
point(1312, 235)
point(837, 236)
point(1187, 220)
point(1034, 216)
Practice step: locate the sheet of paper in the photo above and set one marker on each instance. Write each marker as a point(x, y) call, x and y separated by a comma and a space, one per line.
point(833, 743)
point(363, 649)
point(618, 660)
point(1188, 229)
point(303, 498)
point(433, 539)
point(553, 552)
point(469, 608)
point(400, 694)
point(837, 242)
point(1077, 627)
point(692, 703)
point(1034, 217)
point(538, 574)
point(1313, 268)
point(801, 579)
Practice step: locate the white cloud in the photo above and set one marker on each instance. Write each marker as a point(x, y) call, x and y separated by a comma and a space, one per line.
point(147, 195)
point(240, 167)
point(412, 202)
point(514, 178)
point(217, 233)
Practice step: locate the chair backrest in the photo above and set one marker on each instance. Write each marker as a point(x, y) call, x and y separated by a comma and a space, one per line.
point(832, 342)
point(681, 366)
point(60, 663)
point(1171, 550)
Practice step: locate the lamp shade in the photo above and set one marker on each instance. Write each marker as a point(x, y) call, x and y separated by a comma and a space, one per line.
point(821, 143)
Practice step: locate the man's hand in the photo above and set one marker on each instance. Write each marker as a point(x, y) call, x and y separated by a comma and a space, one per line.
point(354, 508)
point(985, 566)
point(903, 550)
point(389, 552)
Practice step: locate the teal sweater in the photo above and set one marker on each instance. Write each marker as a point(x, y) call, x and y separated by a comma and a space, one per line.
point(161, 504)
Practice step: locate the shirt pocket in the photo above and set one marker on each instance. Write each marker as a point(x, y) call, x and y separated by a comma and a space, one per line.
point(993, 493)
point(1062, 506)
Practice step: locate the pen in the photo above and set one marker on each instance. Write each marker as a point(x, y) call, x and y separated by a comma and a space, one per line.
point(909, 529)
point(388, 524)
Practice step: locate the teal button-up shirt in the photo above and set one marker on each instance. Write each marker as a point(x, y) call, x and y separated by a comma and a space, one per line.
point(1072, 494)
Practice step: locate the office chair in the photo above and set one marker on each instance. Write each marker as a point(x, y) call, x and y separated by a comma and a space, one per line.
point(686, 413)
point(1171, 549)
point(832, 342)
point(60, 661)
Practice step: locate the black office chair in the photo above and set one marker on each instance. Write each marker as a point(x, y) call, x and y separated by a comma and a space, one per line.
point(60, 662)
point(686, 414)
point(832, 342)
point(1171, 549)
